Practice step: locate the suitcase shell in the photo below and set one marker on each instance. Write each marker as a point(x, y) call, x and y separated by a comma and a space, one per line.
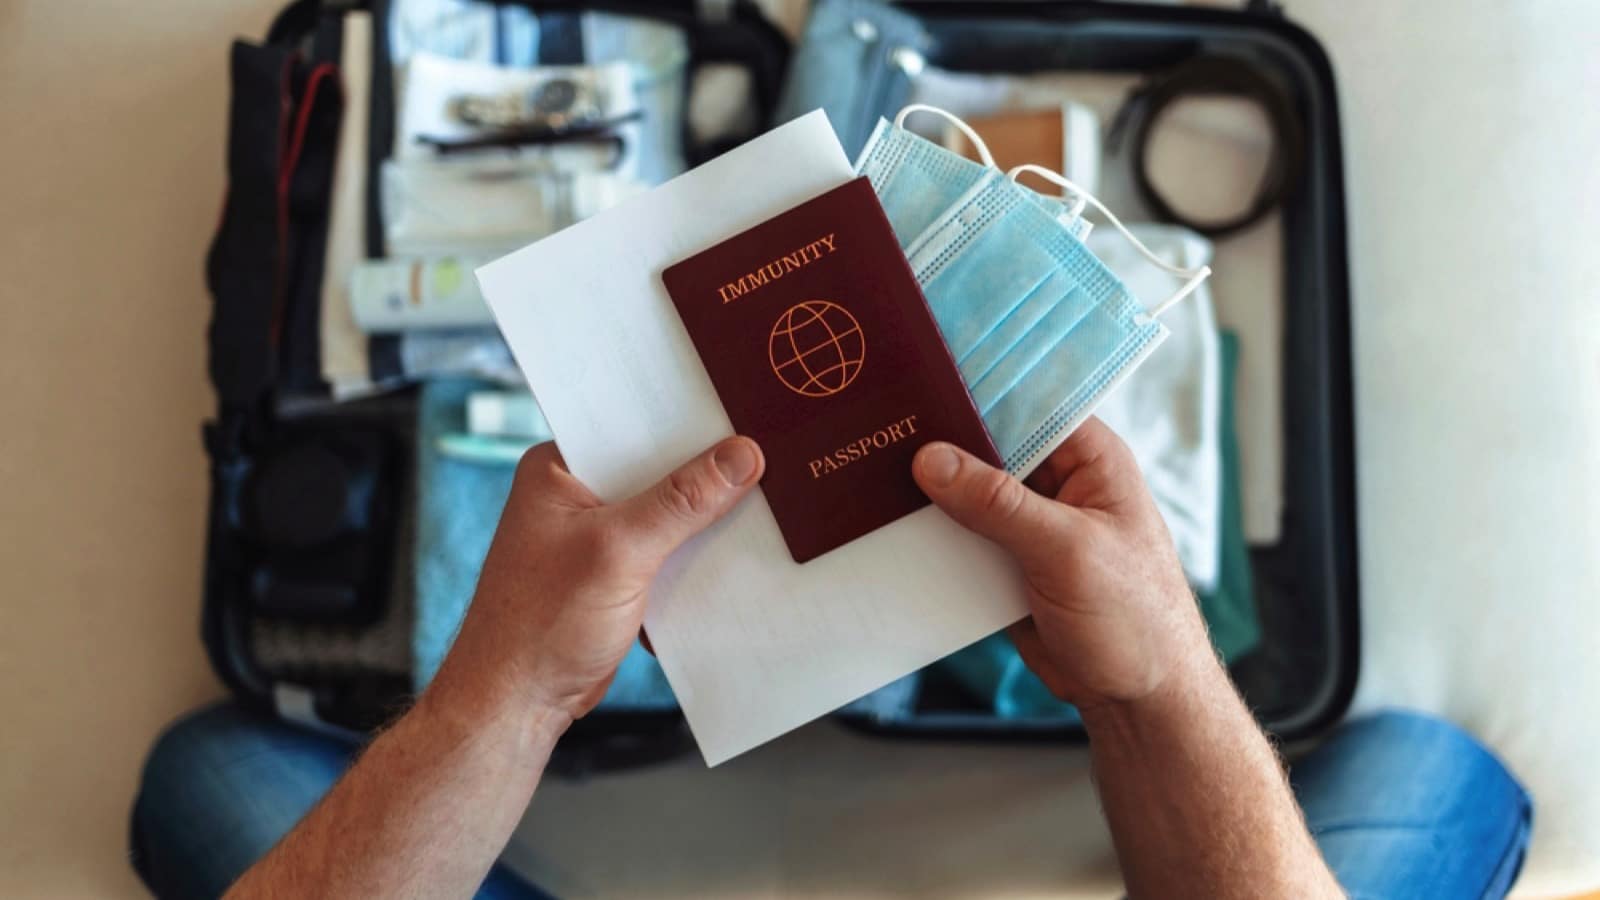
point(1301, 679)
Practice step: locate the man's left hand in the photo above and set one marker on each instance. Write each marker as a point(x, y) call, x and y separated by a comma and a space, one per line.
point(562, 593)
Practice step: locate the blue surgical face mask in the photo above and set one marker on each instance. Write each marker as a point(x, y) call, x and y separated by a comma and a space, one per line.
point(916, 180)
point(1040, 329)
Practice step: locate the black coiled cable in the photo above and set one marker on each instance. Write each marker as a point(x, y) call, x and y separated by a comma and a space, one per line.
point(1214, 76)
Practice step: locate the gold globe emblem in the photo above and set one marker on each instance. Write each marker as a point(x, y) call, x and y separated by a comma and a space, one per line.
point(816, 348)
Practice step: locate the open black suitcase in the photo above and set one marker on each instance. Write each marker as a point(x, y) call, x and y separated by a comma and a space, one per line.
point(310, 503)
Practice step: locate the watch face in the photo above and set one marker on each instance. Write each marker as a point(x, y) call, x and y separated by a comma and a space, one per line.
point(555, 97)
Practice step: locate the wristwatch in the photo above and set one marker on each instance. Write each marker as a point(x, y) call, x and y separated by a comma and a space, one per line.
point(558, 103)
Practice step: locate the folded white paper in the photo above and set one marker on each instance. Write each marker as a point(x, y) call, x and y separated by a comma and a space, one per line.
point(752, 643)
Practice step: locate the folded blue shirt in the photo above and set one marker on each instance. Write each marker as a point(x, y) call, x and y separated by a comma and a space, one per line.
point(458, 507)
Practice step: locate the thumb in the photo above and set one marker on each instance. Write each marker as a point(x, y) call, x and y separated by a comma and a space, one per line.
point(699, 492)
point(987, 500)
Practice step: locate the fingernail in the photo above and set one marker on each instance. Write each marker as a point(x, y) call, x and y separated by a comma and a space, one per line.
point(939, 464)
point(736, 461)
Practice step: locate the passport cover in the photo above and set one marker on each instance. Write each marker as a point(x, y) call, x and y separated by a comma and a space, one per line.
point(823, 350)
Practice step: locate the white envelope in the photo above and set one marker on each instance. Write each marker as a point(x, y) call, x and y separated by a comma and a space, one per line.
point(752, 643)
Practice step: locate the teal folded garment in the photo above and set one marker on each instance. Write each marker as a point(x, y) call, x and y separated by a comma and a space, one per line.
point(893, 702)
point(993, 669)
point(1230, 608)
point(458, 507)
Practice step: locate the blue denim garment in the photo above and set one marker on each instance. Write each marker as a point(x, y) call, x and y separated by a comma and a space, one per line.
point(1401, 805)
point(223, 785)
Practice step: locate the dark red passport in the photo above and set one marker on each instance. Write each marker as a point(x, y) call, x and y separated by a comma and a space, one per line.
point(822, 348)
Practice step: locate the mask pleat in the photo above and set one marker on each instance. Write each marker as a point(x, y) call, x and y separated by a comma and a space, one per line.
point(996, 271)
point(1025, 353)
point(1066, 375)
point(992, 348)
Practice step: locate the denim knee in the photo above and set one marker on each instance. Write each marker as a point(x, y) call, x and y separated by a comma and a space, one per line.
point(219, 788)
point(1404, 804)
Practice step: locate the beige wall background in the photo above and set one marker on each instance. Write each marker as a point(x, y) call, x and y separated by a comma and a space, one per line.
point(111, 165)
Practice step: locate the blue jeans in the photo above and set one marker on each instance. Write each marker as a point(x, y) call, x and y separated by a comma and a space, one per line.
point(221, 787)
point(1402, 806)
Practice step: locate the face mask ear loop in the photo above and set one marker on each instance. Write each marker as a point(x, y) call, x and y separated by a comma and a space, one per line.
point(983, 149)
point(1194, 276)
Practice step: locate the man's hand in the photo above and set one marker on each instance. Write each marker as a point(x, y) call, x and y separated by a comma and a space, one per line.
point(1112, 617)
point(430, 804)
point(1194, 794)
point(562, 593)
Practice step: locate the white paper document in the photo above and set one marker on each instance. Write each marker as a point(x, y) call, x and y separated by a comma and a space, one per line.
point(752, 643)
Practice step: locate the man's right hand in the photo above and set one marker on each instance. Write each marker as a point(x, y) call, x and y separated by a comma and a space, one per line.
point(1195, 795)
point(1113, 617)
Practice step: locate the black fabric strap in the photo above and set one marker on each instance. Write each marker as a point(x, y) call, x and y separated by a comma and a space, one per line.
point(383, 350)
point(321, 108)
point(242, 266)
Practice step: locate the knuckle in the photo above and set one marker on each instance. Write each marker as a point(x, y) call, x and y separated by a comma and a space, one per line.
point(684, 496)
point(1000, 494)
point(1107, 449)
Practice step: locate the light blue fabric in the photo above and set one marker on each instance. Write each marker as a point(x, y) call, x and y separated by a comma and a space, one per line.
point(916, 180)
point(509, 35)
point(660, 56)
point(1039, 327)
point(843, 65)
point(993, 669)
point(894, 702)
point(1401, 805)
point(458, 508)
